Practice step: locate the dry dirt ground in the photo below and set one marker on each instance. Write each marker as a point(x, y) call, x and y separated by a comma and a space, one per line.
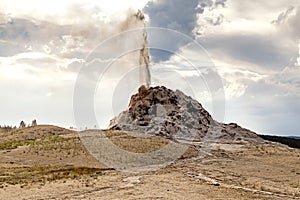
point(48, 162)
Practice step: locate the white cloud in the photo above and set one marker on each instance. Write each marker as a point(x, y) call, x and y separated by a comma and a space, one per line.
point(256, 59)
point(66, 12)
point(236, 81)
point(250, 39)
point(234, 90)
point(36, 66)
point(298, 59)
point(284, 15)
point(43, 44)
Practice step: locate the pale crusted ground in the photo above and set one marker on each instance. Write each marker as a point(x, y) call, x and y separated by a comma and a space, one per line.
point(59, 167)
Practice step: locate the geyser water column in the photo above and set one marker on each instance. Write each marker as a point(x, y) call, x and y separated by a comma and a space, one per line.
point(144, 72)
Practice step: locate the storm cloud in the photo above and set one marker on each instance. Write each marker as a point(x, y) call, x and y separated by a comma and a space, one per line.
point(180, 16)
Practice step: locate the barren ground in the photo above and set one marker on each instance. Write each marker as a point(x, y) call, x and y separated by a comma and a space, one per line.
point(48, 162)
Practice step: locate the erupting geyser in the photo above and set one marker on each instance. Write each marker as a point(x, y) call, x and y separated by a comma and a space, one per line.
point(145, 76)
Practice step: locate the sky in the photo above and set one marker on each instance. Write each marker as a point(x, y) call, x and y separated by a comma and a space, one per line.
point(252, 47)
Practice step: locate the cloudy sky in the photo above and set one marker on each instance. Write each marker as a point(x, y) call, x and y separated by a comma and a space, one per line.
point(254, 45)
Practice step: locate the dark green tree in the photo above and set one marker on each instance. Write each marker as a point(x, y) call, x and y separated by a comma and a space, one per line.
point(34, 123)
point(22, 124)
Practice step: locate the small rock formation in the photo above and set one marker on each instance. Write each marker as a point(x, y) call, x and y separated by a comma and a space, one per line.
point(172, 114)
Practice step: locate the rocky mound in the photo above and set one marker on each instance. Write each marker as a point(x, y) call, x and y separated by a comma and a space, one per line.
point(172, 114)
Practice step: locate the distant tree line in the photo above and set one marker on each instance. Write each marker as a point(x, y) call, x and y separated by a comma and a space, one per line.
point(6, 128)
point(291, 142)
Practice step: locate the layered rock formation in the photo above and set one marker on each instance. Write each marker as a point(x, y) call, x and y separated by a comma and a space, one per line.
point(172, 114)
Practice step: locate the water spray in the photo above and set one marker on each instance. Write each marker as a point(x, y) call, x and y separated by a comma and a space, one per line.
point(144, 61)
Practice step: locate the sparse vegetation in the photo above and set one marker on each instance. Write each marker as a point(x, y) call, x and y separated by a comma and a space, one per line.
point(43, 141)
point(14, 144)
point(46, 141)
point(45, 173)
point(135, 144)
point(50, 154)
point(5, 128)
point(57, 145)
